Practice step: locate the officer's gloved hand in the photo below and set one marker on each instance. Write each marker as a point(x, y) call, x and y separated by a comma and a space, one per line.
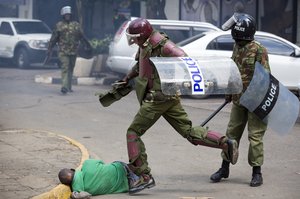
point(125, 79)
point(228, 98)
point(119, 83)
point(80, 195)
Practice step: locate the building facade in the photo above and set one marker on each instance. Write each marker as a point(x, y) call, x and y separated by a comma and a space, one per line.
point(103, 17)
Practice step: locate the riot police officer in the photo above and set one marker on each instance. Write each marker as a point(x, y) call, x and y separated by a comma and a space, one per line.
point(67, 34)
point(246, 52)
point(154, 103)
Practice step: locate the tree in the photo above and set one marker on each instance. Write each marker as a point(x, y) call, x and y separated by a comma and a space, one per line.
point(79, 11)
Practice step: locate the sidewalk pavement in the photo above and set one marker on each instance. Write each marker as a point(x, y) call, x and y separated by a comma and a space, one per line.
point(31, 160)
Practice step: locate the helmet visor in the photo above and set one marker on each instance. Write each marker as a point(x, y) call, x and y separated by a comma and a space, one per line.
point(230, 22)
point(132, 38)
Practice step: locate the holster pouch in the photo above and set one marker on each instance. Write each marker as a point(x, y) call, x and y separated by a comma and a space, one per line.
point(115, 94)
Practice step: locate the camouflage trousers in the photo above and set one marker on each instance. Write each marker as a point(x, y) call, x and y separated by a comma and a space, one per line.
point(67, 63)
point(176, 116)
point(239, 117)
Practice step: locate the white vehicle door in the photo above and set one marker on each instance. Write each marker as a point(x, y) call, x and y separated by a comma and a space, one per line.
point(7, 40)
point(284, 65)
point(286, 69)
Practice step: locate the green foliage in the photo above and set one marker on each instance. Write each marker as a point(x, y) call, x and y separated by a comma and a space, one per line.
point(101, 46)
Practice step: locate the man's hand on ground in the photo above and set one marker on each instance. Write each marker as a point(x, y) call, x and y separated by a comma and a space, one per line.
point(80, 195)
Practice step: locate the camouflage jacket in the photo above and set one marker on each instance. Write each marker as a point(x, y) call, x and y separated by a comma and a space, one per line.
point(245, 58)
point(68, 36)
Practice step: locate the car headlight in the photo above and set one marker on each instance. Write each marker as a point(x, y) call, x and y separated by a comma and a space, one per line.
point(38, 44)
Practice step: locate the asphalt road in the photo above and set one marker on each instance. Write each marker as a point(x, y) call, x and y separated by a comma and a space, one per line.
point(179, 168)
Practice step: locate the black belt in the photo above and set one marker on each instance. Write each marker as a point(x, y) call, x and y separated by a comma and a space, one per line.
point(158, 96)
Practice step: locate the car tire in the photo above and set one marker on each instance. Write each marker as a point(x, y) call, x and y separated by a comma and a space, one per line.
point(21, 58)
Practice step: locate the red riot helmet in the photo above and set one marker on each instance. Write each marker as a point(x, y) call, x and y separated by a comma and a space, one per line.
point(243, 26)
point(138, 31)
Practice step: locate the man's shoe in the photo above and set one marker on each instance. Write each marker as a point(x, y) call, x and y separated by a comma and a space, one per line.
point(145, 181)
point(221, 173)
point(233, 151)
point(63, 90)
point(257, 180)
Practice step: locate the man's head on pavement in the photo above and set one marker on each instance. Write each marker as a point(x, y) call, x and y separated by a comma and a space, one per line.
point(138, 31)
point(66, 176)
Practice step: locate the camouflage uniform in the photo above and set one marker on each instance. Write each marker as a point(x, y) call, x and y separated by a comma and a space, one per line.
point(155, 104)
point(68, 36)
point(245, 58)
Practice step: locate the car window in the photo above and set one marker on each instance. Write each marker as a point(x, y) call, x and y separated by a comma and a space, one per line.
point(122, 29)
point(199, 30)
point(31, 27)
point(190, 40)
point(5, 29)
point(180, 33)
point(176, 34)
point(275, 46)
point(224, 42)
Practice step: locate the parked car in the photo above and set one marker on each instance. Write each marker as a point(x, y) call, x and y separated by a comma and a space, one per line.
point(24, 41)
point(121, 55)
point(284, 56)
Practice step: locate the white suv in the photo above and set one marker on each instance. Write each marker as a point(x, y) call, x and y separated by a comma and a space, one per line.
point(25, 41)
point(121, 55)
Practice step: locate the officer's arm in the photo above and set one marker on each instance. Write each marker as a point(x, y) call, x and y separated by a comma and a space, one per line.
point(54, 39)
point(132, 73)
point(262, 57)
point(85, 42)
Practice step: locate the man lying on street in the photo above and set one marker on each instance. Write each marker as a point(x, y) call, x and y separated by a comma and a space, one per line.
point(98, 178)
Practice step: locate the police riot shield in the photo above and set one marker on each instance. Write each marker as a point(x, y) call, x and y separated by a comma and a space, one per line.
point(198, 76)
point(273, 103)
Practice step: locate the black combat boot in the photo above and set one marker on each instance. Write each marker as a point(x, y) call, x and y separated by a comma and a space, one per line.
point(223, 172)
point(257, 178)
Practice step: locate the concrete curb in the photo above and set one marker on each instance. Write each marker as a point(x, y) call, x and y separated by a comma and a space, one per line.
point(105, 80)
point(62, 191)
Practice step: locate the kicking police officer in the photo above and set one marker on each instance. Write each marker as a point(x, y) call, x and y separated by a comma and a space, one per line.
point(246, 52)
point(154, 103)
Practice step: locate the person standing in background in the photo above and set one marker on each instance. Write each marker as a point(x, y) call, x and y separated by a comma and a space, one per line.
point(68, 35)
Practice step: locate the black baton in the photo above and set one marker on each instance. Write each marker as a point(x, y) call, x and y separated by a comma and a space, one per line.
point(214, 113)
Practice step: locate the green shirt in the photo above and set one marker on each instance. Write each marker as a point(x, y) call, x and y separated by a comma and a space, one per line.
point(98, 178)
